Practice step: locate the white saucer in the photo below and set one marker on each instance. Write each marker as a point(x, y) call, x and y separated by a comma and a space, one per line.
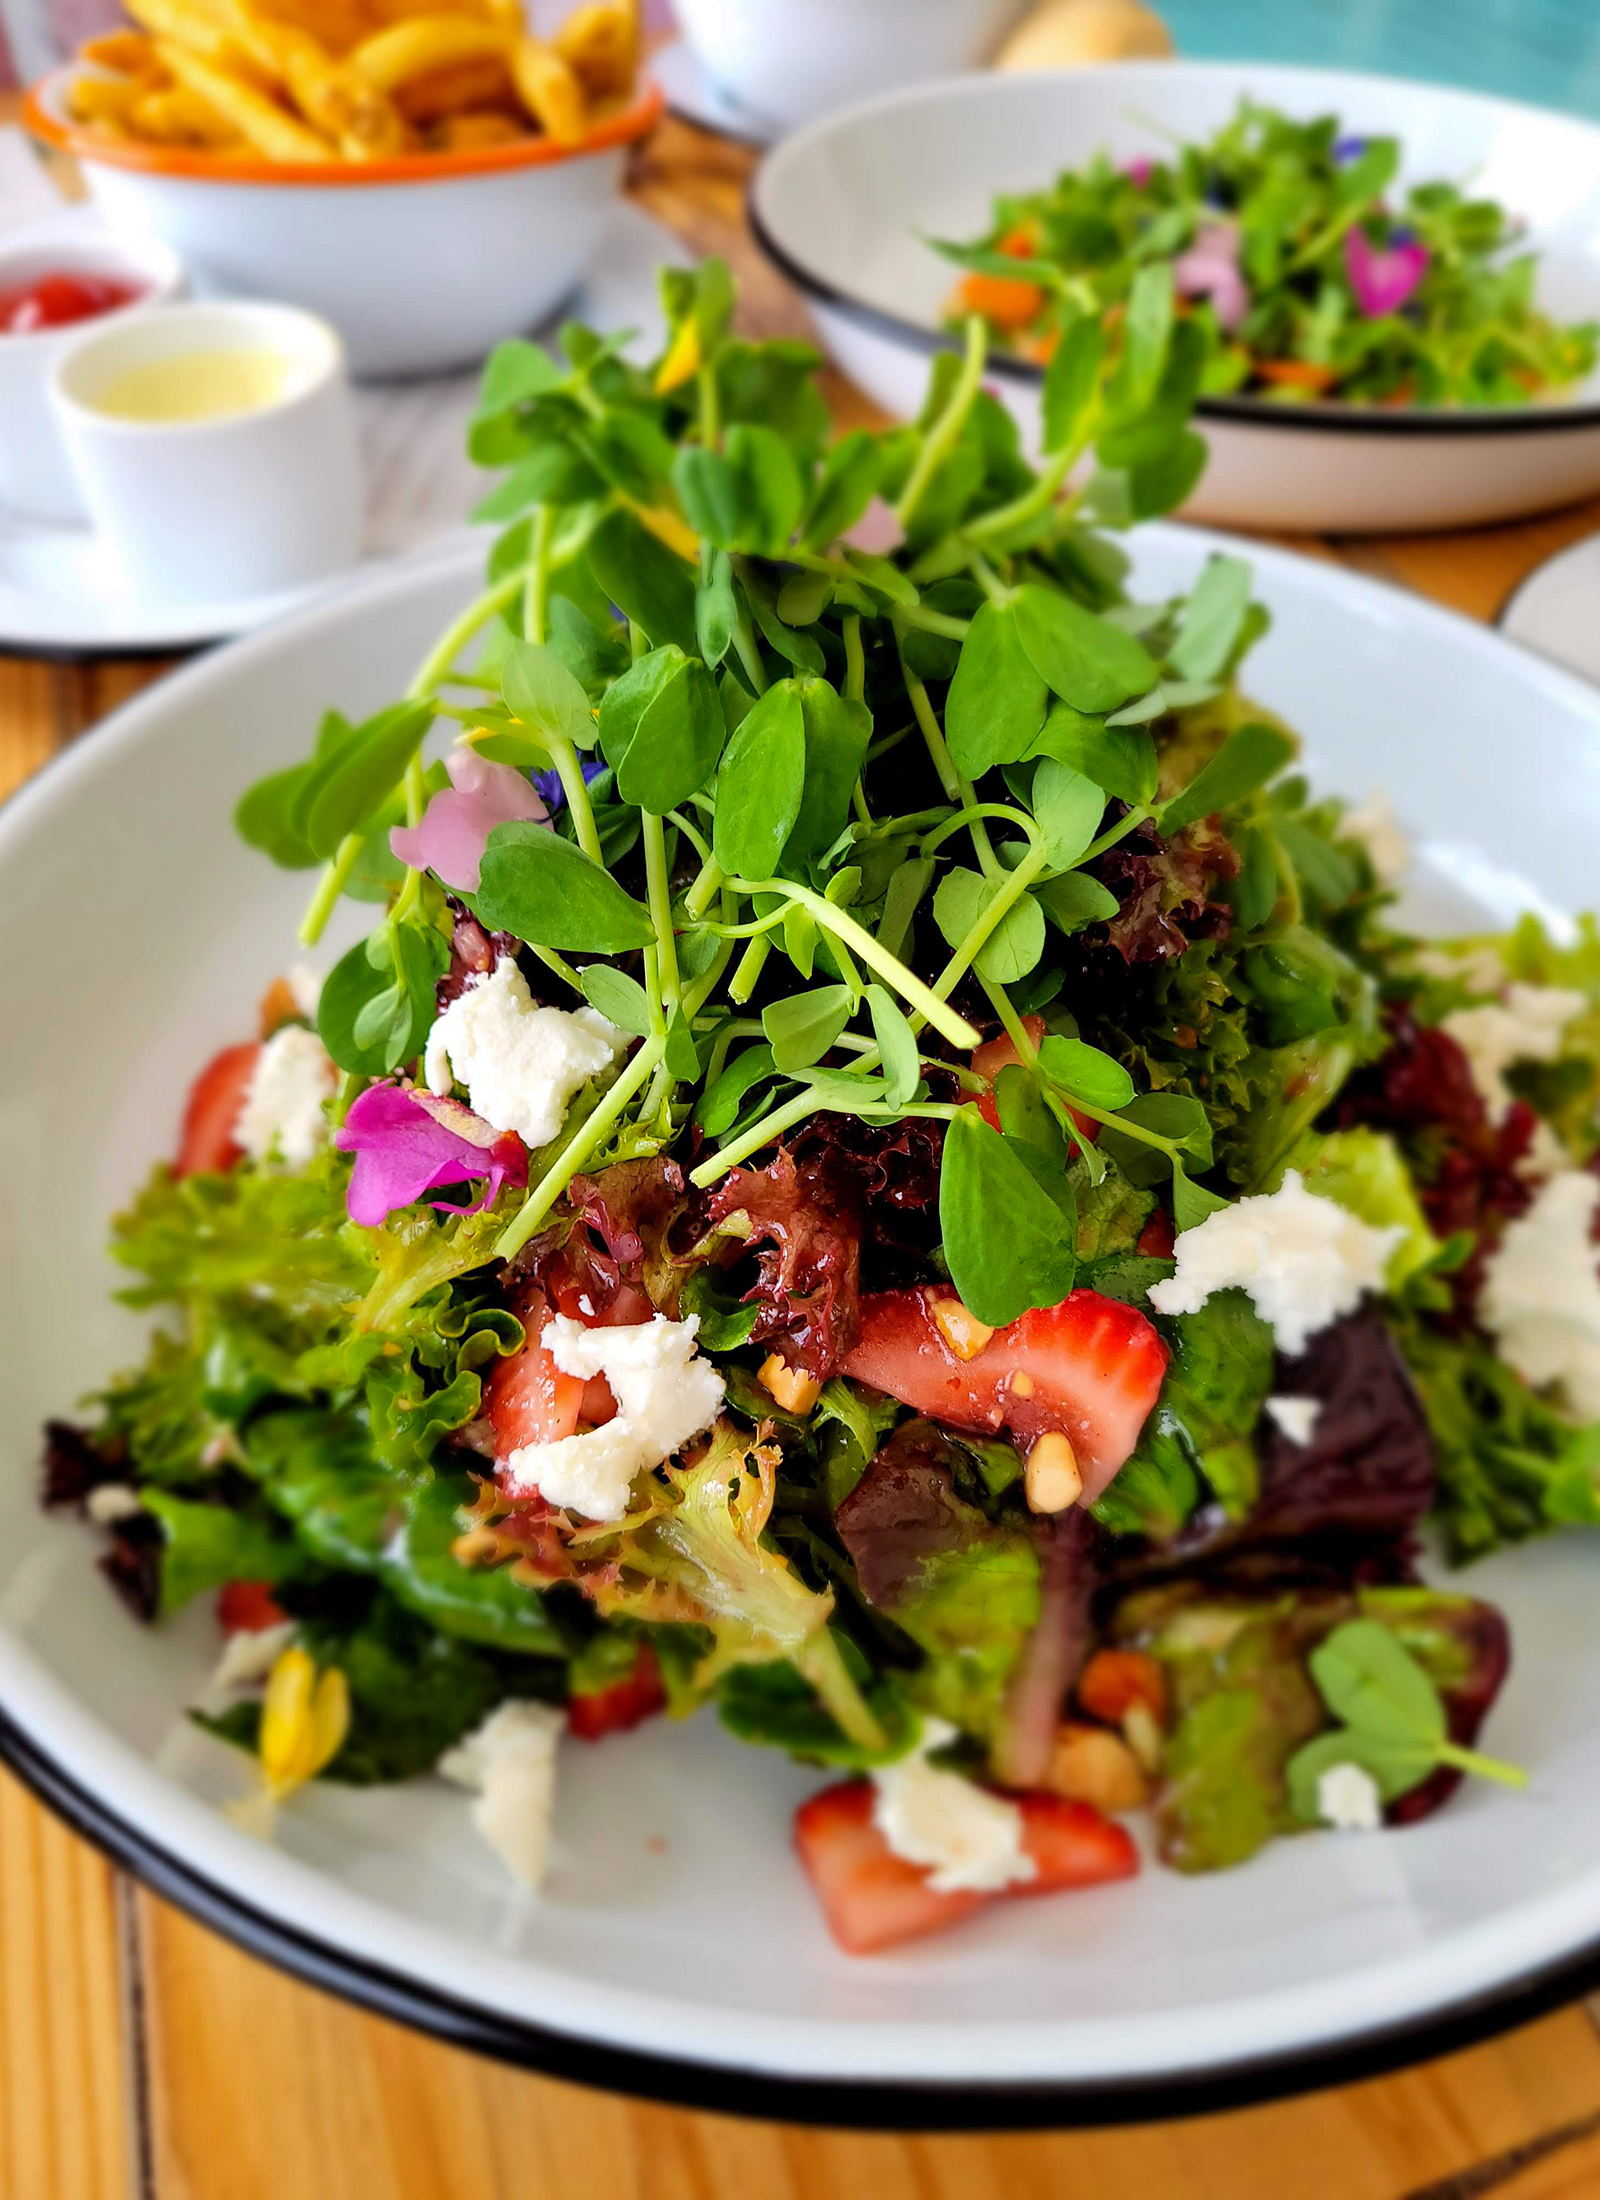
point(62, 596)
point(1557, 609)
point(693, 97)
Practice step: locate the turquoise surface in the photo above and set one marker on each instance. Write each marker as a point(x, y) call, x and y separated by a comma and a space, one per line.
point(1547, 51)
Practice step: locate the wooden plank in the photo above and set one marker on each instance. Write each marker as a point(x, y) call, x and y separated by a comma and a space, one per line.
point(63, 2132)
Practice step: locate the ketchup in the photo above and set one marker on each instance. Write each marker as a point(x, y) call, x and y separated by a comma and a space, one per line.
point(52, 301)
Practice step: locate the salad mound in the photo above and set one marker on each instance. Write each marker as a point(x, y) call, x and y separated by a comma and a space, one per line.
point(1299, 280)
point(881, 1167)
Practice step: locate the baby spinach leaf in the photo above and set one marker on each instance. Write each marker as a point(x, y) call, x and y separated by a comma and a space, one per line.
point(1395, 1767)
point(897, 1043)
point(725, 1324)
point(1082, 1072)
point(1245, 761)
point(548, 892)
point(540, 691)
point(802, 1027)
point(1067, 807)
point(1007, 1249)
point(1370, 1680)
point(1017, 941)
point(649, 582)
point(759, 785)
point(206, 1545)
point(1081, 657)
point(997, 701)
point(618, 997)
point(1212, 621)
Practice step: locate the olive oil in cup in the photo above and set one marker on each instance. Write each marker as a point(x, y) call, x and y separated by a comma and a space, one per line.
point(215, 449)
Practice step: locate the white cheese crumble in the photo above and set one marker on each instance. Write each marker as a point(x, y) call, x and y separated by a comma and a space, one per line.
point(1479, 969)
point(1303, 1260)
point(305, 989)
point(1374, 827)
point(971, 1838)
point(283, 1107)
point(250, 1653)
point(1546, 1155)
point(511, 1760)
point(1297, 1417)
point(521, 1065)
point(1541, 1292)
point(665, 1392)
point(1527, 1026)
point(111, 1502)
point(1347, 1797)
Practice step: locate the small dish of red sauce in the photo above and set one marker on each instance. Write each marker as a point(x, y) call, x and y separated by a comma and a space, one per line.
point(60, 297)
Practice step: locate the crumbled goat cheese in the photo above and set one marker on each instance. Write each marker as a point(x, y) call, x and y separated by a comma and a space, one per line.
point(521, 1065)
point(1347, 1797)
point(1297, 1417)
point(250, 1653)
point(1546, 1155)
point(1373, 825)
point(971, 1838)
point(665, 1392)
point(111, 1502)
point(1479, 969)
point(511, 1760)
point(1541, 1292)
point(1526, 1026)
point(1304, 1260)
point(305, 989)
point(283, 1111)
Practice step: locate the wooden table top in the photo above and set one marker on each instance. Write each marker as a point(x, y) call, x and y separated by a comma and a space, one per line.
point(143, 2059)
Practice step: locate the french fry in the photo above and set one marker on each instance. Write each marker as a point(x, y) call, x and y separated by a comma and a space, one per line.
point(478, 126)
point(599, 42)
point(425, 43)
point(550, 91)
point(179, 116)
point(129, 53)
point(467, 84)
point(181, 26)
point(258, 121)
point(336, 25)
point(104, 98)
point(332, 95)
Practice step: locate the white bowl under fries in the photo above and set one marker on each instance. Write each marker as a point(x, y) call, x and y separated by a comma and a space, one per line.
point(422, 261)
point(844, 207)
point(676, 1947)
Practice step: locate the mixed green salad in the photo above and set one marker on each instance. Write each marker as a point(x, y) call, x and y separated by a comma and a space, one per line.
point(1297, 277)
point(881, 1168)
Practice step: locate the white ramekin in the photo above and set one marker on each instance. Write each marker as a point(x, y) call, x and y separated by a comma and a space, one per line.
point(239, 505)
point(36, 478)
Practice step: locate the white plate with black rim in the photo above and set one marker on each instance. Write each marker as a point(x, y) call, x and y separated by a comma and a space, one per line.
point(676, 1948)
point(843, 208)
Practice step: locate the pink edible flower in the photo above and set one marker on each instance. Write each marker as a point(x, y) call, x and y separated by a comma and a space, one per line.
point(409, 1143)
point(1383, 281)
point(1210, 269)
point(1139, 172)
point(457, 823)
point(877, 531)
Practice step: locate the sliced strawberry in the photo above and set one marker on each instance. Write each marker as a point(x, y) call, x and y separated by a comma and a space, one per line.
point(248, 1607)
point(1158, 1237)
point(874, 1899)
point(207, 1144)
point(1090, 1368)
point(1001, 1054)
point(594, 1713)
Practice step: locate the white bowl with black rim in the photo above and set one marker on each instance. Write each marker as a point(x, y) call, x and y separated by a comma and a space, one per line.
point(844, 207)
point(677, 1949)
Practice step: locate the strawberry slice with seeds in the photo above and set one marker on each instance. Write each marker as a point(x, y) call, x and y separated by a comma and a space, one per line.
point(1001, 1054)
point(594, 1713)
point(248, 1607)
point(873, 1899)
point(1089, 1369)
point(207, 1145)
point(527, 1398)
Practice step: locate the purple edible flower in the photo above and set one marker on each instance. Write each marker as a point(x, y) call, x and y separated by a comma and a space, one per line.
point(1383, 281)
point(1347, 149)
point(550, 787)
point(409, 1143)
point(1210, 269)
point(457, 823)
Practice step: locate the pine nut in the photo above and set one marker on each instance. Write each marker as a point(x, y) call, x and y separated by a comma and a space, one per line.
point(962, 1331)
point(1050, 1480)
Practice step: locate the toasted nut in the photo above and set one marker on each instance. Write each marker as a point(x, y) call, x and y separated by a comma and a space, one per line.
point(1090, 1764)
point(962, 1332)
point(1144, 1737)
point(1022, 1385)
point(1050, 1480)
point(790, 1387)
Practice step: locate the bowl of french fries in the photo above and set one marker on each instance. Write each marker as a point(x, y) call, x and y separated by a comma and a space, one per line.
point(429, 175)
